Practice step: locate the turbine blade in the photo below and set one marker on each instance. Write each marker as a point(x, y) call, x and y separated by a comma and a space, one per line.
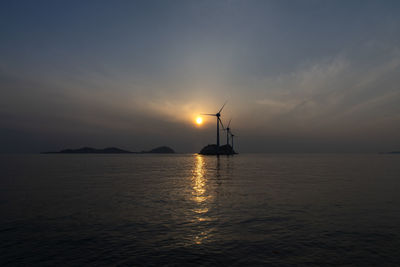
point(222, 106)
point(208, 114)
point(229, 123)
point(221, 123)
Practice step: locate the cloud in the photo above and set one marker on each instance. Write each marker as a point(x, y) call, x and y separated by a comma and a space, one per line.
point(332, 96)
point(142, 79)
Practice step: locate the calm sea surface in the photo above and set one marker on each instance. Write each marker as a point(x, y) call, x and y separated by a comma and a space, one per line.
point(195, 210)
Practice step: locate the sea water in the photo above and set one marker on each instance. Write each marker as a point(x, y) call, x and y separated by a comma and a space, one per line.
point(187, 209)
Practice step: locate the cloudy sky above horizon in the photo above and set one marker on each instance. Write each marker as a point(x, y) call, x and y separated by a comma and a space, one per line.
point(299, 76)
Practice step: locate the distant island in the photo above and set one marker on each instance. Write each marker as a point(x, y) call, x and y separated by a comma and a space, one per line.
point(111, 150)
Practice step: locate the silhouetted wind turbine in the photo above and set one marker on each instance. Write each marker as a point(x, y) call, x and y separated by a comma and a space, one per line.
point(232, 135)
point(218, 115)
point(228, 132)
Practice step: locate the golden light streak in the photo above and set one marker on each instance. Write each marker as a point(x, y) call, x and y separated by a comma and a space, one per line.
point(200, 197)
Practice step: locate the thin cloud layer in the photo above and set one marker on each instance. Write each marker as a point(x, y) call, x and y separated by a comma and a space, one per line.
point(309, 77)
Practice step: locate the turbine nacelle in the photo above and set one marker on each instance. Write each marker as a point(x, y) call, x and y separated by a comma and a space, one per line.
point(218, 115)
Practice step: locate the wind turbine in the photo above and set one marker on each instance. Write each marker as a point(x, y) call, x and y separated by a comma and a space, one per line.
point(228, 131)
point(232, 135)
point(218, 115)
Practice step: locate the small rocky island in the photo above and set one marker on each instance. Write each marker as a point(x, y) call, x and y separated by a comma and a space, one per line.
point(215, 150)
point(160, 150)
point(112, 150)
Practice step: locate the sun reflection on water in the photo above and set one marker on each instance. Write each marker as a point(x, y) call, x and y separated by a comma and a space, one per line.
point(200, 197)
point(199, 181)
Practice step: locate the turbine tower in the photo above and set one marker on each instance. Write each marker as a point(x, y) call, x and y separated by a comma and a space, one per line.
point(232, 135)
point(228, 131)
point(218, 115)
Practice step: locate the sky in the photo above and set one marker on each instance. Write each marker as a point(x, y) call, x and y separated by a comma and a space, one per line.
point(298, 76)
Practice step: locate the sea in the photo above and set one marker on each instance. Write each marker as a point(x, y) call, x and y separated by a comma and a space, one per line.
point(194, 210)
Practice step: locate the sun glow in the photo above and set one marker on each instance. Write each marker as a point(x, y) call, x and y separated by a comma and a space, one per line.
point(199, 120)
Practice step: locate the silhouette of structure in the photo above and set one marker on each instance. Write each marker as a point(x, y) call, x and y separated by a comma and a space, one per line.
point(216, 149)
point(228, 132)
point(218, 115)
point(232, 135)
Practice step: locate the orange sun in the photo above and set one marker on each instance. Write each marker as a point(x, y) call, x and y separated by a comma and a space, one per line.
point(199, 120)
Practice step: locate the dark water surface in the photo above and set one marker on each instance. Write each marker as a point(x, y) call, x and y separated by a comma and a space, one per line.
point(194, 210)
